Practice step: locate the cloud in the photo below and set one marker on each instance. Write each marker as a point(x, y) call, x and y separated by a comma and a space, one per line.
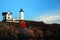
point(49, 19)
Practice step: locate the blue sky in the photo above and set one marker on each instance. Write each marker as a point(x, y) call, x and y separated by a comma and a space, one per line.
point(38, 10)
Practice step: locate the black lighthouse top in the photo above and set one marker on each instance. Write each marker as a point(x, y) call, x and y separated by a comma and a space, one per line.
point(21, 10)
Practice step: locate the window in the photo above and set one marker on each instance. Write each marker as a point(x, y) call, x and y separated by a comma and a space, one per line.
point(8, 14)
point(8, 17)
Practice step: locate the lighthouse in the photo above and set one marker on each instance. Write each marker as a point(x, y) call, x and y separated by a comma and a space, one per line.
point(21, 14)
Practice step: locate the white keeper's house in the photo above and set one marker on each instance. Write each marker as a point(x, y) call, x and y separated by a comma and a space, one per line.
point(7, 16)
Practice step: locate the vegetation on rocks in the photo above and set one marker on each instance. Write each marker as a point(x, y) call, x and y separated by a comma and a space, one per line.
point(32, 31)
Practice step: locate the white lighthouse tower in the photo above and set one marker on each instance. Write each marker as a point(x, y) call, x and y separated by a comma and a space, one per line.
point(21, 14)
